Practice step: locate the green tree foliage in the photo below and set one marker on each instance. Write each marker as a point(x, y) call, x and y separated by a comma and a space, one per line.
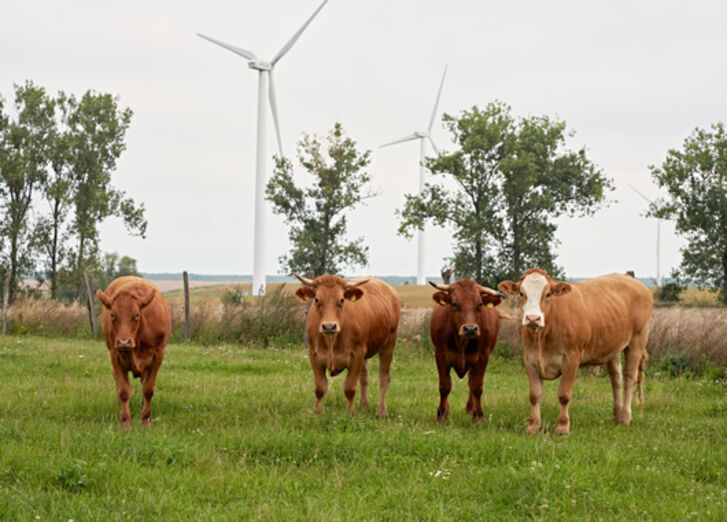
point(316, 214)
point(512, 178)
point(51, 234)
point(24, 143)
point(60, 152)
point(96, 131)
point(694, 178)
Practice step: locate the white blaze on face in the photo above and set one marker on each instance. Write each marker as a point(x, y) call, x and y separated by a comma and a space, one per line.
point(533, 286)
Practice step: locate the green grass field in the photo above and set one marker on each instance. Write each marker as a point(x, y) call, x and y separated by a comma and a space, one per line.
point(235, 437)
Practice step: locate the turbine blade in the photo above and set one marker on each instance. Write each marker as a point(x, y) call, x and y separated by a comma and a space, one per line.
point(639, 193)
point(237, 50)
point(436, 103)
point(401, 140)
point(295, 37)
point(274, 110)
point(436, 150)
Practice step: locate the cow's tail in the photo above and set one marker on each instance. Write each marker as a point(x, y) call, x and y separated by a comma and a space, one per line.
point(640, 380)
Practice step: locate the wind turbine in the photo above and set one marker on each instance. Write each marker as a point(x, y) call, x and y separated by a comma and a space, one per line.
point(422, 136)
point(265, 77)
point(658, 239)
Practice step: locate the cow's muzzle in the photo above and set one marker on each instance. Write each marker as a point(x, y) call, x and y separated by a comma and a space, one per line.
point(533, 321)
point(124, 344)
point(470, 331)
point(329, 328)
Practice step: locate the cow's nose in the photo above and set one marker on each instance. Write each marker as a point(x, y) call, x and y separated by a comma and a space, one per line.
point(471, 329)
point(329, 328)
point(123, 343)
point(533, 320)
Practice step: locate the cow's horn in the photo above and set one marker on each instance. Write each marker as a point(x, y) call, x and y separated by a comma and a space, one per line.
point(443, 288)
point(306, 282)
point(491, 291)
point(352, 284)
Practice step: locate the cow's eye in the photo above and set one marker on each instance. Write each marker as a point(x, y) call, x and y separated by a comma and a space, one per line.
point(341, 301)
point(113, 317)
point(547, 294)
point(136, 316)
point(316, 300)
point(522, 295)
point(455, 305)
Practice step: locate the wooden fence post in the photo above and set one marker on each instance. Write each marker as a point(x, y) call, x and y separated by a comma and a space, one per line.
point(6, 294)
point(186, 305)
point(88, 278)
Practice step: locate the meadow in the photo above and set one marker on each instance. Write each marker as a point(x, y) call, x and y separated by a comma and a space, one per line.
point(235, 437)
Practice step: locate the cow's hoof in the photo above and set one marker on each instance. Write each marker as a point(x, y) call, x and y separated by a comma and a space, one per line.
point(382, 411)
point(442, 416)
point(125, 425)
point(146, 422)
point(562, 430)
point(532, 429)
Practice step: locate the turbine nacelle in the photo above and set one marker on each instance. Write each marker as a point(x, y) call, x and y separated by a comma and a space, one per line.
point(260, 65)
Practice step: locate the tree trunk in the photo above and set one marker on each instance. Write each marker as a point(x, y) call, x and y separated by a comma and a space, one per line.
point(517, 270)
point(13, 269)
point(724, 278)
point(54, 255)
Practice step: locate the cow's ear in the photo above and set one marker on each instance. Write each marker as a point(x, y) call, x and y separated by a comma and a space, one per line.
point(560, 289)
point(104, 299)
point(145, 299)
point(353, 294)
point(305, 293)
point(441, 298)
point(509, 288)
point(490, 300)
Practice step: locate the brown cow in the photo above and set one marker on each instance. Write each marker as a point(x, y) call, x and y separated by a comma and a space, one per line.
point(566, 325)
point(349, 322)
point(464, 330)
point(136, 323)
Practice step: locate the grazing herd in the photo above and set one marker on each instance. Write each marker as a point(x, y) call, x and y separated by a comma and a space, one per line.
point(564, 326)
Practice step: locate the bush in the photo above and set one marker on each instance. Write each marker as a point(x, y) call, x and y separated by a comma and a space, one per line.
point(669, 293)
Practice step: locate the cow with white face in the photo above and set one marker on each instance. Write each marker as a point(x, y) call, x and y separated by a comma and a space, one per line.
point(566, 325)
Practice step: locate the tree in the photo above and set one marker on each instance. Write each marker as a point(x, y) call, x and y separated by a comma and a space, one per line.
point(694, 179)
point(25, 143)
point(513, 178)
point(315, 214)
point(50, 236)
point(97, 127)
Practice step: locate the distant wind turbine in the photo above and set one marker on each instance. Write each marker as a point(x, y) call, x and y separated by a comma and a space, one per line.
point(658, 239)
point(422, 136)
point(265, 70)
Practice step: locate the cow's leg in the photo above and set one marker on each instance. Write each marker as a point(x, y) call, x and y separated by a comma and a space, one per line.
point(565, 388)
point(386, 355)
point(349, 385)
point(321, 382)
point(477, 375)
point(148, 382)
point(364, 382)
point(613, 367)
point(634, 355)
point(536, 397)
point(445, 386)
point(123, 392)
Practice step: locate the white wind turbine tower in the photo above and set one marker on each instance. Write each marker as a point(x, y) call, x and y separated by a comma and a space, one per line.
point(658, 239)
point(265, 76)
point(422, 136)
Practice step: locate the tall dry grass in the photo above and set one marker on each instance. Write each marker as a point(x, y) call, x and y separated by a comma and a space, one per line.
point(681, 338)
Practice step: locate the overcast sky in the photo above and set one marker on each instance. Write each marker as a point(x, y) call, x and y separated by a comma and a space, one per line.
point(631, 78)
